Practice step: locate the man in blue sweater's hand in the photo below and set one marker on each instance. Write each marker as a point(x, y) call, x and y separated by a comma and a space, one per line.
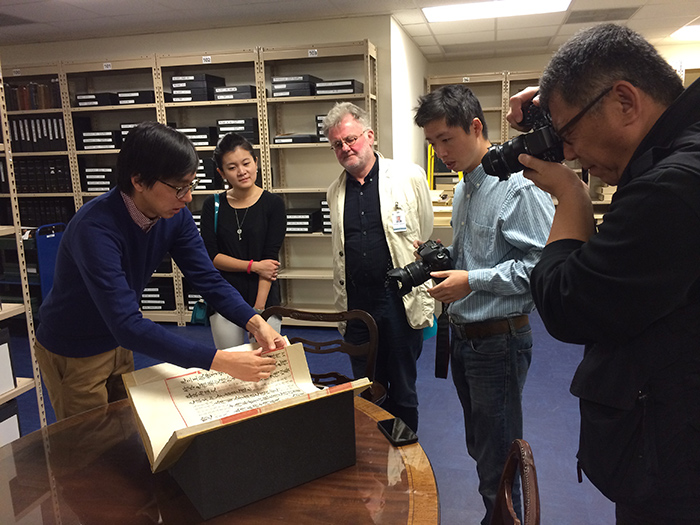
point(91, 320)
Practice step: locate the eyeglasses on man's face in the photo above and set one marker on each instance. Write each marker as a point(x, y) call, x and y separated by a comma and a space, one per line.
point(349, 140)
point(182, 191)
point(566, 129)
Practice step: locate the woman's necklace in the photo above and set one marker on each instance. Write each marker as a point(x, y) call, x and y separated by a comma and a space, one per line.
point(239, 231)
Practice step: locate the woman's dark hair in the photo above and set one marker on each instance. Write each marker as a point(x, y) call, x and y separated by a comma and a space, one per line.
point(457, 104)
point(154, 151)
point(230, 142)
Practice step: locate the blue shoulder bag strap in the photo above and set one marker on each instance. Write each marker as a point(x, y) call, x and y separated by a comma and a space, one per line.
point(216, 212)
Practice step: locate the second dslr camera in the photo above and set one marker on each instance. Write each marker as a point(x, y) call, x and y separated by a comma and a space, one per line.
point(543, 143)
point(433, 258)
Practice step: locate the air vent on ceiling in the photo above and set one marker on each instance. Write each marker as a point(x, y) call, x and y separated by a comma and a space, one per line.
point(9, 20)
point(592, 16)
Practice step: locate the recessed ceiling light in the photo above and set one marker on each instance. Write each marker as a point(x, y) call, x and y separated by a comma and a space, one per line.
point(687, 33)
point(495, 9)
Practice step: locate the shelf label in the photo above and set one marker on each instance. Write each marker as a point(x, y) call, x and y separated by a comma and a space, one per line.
point(16, 72)
point(313, 53)
point(206, 60)
point(465, 80)
point(107, 66)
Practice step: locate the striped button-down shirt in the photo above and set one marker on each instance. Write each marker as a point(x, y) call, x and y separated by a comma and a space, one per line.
point(499, 231)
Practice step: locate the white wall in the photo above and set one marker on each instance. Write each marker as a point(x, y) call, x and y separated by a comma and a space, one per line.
point(408, 72)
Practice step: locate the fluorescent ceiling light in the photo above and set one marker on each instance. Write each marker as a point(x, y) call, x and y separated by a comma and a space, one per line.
point(687, 33)
point(495, 9)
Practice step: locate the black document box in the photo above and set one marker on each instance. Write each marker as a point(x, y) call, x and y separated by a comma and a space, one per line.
point(235, 465)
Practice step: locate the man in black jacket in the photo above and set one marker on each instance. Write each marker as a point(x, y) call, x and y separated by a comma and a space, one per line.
point(629, 291)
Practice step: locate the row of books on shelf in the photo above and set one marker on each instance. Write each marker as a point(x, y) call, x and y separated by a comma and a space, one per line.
point(37, 133)
point(43, 175)
point(117, 99)
point(309, 220)
point(303, 138)
point(89, 139)
point(33, 95)
point(159, 294)
point(201, 87)
point(37, 211)
point(304, 85)
point(183, 88)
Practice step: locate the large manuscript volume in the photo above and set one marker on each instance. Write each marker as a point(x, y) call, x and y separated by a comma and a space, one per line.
point(173, 405)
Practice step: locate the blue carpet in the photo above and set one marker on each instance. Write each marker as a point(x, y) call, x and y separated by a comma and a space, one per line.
point(551, 427)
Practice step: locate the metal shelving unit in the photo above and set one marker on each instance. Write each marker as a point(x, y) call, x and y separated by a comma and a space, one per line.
point(9, 310)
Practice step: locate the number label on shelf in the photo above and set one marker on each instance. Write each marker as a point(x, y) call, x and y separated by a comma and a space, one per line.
point(16, 72)
point(206, 60)
point(465, 80)
point(313, 53)
point(107, 66)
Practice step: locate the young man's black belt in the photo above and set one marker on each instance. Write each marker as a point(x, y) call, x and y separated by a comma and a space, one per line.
point(488, 328)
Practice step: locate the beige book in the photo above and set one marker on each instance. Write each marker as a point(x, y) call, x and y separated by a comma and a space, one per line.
point(172, 405)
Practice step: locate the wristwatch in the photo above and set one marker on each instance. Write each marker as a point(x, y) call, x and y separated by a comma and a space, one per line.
point(258, 310)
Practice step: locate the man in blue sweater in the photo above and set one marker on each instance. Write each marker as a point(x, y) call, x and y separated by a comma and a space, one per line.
point(90, 321)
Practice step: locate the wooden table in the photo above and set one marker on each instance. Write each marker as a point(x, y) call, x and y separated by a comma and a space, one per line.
point(92, 469)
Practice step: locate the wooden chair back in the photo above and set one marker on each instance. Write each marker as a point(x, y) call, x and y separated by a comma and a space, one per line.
point(519, 458)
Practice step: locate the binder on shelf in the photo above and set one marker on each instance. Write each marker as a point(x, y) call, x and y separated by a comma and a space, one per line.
point(280, 79)
point(339, 87)
point(99, 140)
point(198, 80)
point(304, 92)
point(293, 86)
point(188, 418)
point(97, 179)
point(295, 138)
point(303, 220)
point(200, 136)
point(319, 128)
point(194, 88)
point(234, 92)
point(206, 173)
point(159, 294)
point(136, 97)
point(326, 217)
point(246, 127)
point(96, 99)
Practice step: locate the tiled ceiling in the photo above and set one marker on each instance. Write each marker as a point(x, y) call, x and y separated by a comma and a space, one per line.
point(29, 21)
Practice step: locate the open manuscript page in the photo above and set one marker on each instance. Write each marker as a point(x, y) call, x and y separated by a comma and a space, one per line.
point(172, 403)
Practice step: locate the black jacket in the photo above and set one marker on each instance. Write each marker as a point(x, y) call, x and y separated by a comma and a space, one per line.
point(631, 294)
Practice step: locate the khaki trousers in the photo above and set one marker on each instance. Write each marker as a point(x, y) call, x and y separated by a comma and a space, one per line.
point(77, 384)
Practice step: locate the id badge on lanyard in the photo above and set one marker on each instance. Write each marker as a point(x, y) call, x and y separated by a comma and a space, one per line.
point(398, 219)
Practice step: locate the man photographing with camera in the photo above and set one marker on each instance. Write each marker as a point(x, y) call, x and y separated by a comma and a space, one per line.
point(629, 291)
point(499, 230)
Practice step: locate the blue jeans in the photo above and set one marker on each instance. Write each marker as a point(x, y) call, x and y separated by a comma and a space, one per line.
point(399, 349)
point(489, 375)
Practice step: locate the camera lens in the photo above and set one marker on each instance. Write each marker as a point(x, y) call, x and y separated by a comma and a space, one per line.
point(502, 160)
point(411, 275)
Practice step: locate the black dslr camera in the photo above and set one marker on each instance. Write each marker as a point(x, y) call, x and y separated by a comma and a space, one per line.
point(543, 143)
point(433, 257)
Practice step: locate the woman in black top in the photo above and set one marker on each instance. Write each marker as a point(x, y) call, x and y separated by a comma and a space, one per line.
point(244, 238)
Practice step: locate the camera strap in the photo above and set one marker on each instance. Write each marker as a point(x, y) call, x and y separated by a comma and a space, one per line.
point(442, 344)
